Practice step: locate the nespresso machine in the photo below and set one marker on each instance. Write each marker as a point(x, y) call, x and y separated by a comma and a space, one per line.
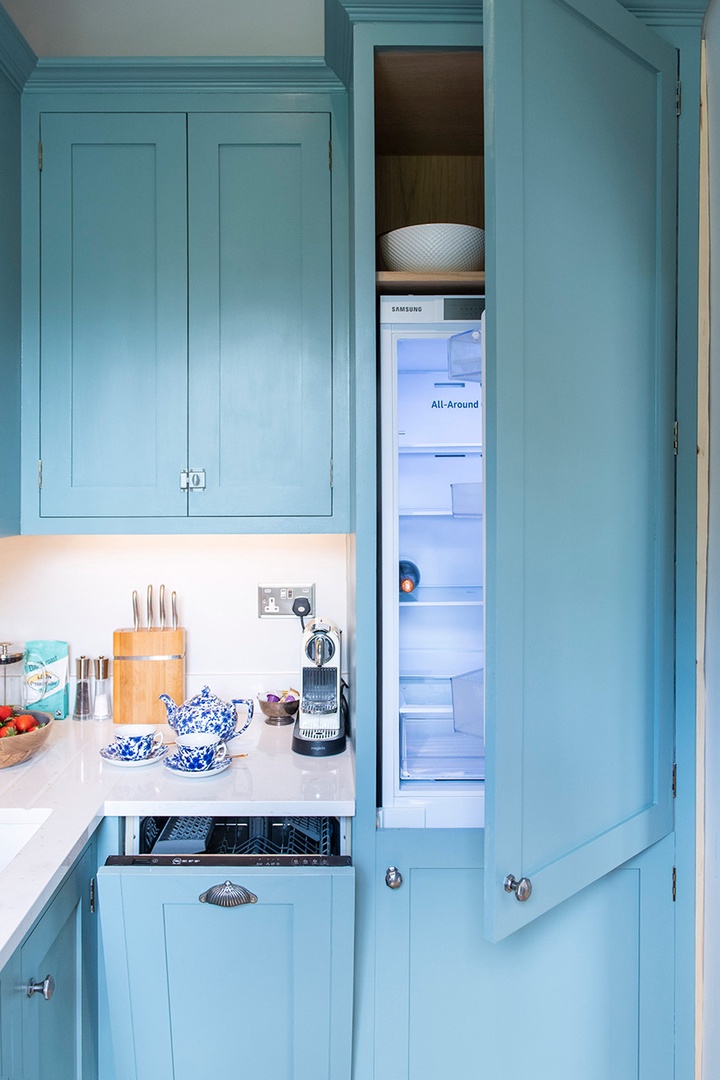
point(320, 726)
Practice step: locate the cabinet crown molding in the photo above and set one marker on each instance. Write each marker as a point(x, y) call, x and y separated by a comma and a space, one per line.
point(137, 74)
point(17, 59)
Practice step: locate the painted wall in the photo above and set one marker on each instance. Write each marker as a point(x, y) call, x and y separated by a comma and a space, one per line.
point(170, 27)
point(78, 589)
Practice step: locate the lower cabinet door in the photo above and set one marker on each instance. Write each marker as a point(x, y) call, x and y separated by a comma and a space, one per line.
point(260, 988)
point(57, 963)
point(586, 991)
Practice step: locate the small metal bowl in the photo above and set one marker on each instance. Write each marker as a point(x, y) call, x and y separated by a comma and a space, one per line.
point(278, 712)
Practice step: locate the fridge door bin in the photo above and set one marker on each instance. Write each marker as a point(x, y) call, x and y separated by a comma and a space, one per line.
point(468, 698)
point(467, 500)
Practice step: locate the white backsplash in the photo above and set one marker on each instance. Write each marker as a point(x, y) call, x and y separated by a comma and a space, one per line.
point(78, 589)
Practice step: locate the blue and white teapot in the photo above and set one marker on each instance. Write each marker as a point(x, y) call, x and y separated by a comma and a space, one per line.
point(206, 712)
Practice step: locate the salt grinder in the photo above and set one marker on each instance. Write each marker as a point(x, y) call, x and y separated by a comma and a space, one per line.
point(102, 706)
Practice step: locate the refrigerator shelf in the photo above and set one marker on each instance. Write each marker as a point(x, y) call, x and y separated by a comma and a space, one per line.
point(446, 449)
point(445, 596)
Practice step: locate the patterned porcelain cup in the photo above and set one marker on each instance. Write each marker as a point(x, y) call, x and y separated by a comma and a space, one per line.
point(200, 750)
point(133, 742)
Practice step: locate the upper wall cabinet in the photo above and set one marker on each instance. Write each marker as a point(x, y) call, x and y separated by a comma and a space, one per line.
point(186, 368)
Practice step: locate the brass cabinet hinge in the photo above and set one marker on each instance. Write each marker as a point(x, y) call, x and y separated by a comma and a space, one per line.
point(675, 437)
point(92, 895)
point(40, 473)
point(674, 884)
point(40, 156)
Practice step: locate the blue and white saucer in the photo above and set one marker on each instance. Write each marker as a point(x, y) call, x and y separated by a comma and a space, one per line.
point(173, 764)
point(110, 753)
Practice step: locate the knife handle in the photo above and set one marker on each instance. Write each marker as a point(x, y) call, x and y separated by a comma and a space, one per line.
point(136, 613)
point(149, 608)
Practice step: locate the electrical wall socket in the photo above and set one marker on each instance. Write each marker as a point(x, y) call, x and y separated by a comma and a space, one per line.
point(277, 600)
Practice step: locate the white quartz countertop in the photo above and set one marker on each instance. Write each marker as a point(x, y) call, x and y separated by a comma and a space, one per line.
point(67, 788)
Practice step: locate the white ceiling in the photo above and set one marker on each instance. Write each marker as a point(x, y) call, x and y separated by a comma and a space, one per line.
point(170, 27)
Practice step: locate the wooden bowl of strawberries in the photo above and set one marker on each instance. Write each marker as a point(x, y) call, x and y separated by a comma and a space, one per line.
point(22, 733)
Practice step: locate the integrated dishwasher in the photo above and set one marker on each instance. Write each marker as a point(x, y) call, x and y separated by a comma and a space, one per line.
point(227, 947)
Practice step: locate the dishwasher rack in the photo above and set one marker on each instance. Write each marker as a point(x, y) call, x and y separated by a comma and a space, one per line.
point(249, 841)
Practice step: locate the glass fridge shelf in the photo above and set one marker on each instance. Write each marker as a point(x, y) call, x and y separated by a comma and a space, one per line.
point(440, 448)
point(446, 596)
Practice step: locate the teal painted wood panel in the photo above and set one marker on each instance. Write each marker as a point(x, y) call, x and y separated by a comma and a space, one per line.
point(586, 991)
point(260, 314)
point(113, 398)
point(52, 1029)
point(10, 304)
point(581, 147)
point(263, 990)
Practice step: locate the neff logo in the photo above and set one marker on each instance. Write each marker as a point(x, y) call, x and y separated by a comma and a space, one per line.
point(440, 404)
point(397, 307)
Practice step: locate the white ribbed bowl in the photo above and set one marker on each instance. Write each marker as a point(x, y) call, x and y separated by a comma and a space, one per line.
point(436, 248)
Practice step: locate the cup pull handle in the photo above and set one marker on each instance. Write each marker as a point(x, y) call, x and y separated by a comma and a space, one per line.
point(228, 895)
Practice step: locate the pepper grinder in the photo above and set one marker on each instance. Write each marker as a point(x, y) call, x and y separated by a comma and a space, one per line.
point(102, 706)
point(83, 691)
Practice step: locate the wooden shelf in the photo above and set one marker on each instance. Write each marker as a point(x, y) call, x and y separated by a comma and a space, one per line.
point(393, 281)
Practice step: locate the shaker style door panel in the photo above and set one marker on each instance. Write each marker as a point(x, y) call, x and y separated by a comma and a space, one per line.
point(580, 466)
point(58, 1031)
point(586, 991)
point(260, 314)
point(113, 380)
point(263, 989)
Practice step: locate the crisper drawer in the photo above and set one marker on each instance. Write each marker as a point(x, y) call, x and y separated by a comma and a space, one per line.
point(228, 970)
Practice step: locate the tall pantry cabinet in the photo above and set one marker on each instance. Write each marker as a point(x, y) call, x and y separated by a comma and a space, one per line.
point(589, 390)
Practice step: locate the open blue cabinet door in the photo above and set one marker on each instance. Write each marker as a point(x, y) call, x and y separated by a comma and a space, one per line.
point(581, 176)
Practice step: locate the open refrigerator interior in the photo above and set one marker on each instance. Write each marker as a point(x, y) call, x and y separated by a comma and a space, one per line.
point(432, 566)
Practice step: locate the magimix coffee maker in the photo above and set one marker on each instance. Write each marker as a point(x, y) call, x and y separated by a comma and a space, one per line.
point(320, 726)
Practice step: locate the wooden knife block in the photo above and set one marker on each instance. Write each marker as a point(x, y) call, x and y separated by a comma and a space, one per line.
point(147, 663)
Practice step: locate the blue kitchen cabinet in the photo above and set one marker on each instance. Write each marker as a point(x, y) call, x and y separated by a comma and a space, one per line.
point(185, 375)
point(261, 372)
point(9, 1017)
point(585, 991)
point(53, 1031)
point(589, 632)
point(262, 989)
point(112, 416)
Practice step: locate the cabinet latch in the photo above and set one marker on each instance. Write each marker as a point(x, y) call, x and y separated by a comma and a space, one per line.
point(192, 480)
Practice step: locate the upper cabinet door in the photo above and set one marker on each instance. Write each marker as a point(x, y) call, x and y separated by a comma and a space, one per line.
point(113, 384)
point(260, 314)
point(581, 145)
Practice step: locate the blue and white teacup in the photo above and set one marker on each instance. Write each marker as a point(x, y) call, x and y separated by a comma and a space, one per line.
point(133, 742)
point(200, 750)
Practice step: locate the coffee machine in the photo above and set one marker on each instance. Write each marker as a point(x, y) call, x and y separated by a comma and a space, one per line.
point(320, 726)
